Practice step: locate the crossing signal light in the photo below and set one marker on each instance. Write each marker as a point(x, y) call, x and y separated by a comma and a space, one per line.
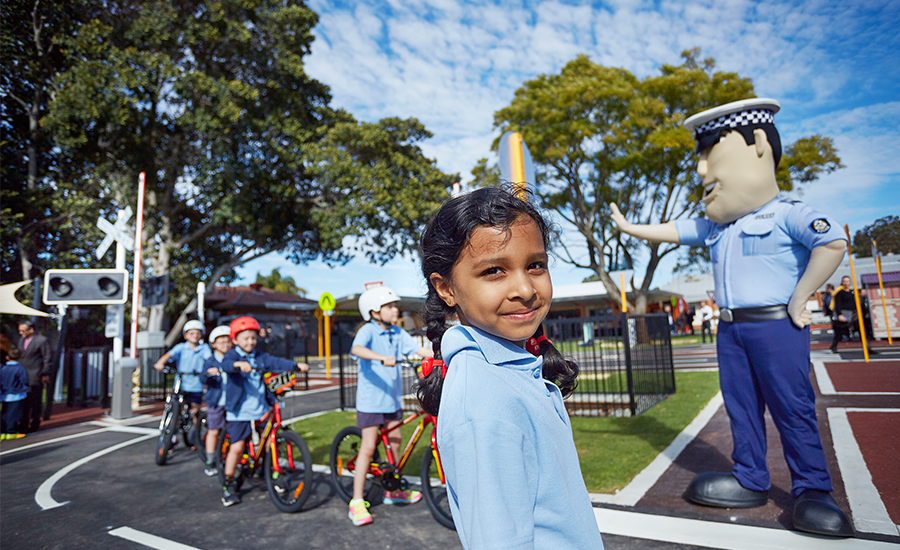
point(85, 286)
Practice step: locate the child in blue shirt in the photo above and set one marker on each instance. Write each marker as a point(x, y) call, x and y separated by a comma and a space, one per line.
point(13, 390)
point(247, 399)
point(190, 356)
point(503, 432)
point(378, 344)
point(215, 379)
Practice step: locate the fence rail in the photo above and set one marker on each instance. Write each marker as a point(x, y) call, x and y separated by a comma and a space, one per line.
point(622, 372)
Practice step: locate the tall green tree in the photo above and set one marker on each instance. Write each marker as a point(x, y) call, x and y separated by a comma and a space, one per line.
point(212, 101)
point(43, 220)
point(885, 232)
point(599, 135)
point(279, 283)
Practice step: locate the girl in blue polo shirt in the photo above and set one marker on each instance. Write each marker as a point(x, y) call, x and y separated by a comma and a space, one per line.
point(503, 432)
point(378, 344)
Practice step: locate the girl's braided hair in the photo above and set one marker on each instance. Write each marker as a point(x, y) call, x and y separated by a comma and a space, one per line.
point(442, 242)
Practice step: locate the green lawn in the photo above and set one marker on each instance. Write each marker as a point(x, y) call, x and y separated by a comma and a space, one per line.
point(611, 450)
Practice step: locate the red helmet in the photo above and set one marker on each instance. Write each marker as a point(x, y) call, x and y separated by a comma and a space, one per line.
point(243, 323)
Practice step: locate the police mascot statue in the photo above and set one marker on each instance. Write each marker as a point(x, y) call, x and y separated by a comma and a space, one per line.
point(768, 257)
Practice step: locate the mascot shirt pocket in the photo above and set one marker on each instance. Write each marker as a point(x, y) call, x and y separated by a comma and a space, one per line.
point(757, 237)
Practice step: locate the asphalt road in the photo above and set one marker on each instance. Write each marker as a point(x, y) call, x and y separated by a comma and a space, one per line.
point(96, 485)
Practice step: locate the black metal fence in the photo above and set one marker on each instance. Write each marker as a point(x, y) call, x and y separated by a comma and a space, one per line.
point(86, 377)
point(625, 365)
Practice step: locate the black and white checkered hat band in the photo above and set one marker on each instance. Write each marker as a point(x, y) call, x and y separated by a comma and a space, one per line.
point(733, 120)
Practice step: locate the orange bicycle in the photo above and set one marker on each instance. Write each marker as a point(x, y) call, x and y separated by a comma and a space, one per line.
point(386, 474)
point(279, 453)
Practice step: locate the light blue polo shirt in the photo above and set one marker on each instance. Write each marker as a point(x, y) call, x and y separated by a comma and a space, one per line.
point(379, 387)
point(506, 446)
point(253, 405)
point(758, 259)
point(191, 360)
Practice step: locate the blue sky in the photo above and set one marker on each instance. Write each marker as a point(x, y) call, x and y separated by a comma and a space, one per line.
point(835, 68)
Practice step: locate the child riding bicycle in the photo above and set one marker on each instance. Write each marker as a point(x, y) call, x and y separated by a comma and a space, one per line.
point(215, 379)
point(378, 345)
point(190, 356)
point(246, 397)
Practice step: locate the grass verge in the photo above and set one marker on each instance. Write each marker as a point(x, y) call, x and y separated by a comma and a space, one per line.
point(611, 450)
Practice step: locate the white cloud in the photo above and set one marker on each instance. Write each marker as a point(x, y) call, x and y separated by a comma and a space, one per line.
point(452, 64)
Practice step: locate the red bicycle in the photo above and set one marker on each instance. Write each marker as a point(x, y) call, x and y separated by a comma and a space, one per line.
point(387, 474)
point(279, 453)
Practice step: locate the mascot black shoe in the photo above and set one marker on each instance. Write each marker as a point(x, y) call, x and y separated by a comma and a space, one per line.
point(723, 490)
point(817, 512)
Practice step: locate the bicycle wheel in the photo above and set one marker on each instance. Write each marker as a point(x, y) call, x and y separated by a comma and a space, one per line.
point(342, 460)
point(167, 428)
point(289, 488)
point(434, 491)
point(199, 436)
point(223, 443)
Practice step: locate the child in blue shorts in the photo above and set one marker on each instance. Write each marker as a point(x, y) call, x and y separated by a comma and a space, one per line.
point(247, 399)
point(190, 356)
point(378, 344)
point(215, 380)
point(13, 390)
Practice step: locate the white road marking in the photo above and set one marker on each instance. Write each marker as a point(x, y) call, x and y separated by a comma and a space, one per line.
point(826, 386)
point(725, 536)
point(638, 487)
point(146, 539)
point(866, 506)
point(55, 440)
point(42, 495)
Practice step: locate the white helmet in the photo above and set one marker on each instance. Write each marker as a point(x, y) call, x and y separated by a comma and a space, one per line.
point(192, 325)
point(374, 298)
point(223, 330)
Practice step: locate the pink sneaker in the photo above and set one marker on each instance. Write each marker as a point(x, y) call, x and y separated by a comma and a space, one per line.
point(358, 513)
point(402, 497)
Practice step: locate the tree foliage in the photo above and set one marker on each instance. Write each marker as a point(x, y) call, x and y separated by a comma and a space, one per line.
point(242, 152)
point(279, 283)
point(599, 135)
point(885, 232)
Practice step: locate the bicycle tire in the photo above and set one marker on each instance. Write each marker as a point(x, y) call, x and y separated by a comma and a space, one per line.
point(168, 428)
point(434, 491)
point(344, 449)
point(222, 445)
point(290, 488)
point(200, 437)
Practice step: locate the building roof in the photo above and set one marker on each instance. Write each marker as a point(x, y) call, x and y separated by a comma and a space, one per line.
point(889, 277)
point(256, 296)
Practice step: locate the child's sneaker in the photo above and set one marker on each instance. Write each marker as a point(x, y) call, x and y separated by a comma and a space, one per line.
point(230, 496)
point(402, 497)
point(358, 513)
point(210, 469)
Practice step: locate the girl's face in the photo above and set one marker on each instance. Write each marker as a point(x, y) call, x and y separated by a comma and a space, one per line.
point(222, 344)
point(500, 282)
point(193, 336)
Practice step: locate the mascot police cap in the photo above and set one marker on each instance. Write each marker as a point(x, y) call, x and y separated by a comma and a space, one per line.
point(742, 116)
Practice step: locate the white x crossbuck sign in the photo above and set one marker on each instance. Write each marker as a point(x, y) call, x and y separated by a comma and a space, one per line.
point(115, 232)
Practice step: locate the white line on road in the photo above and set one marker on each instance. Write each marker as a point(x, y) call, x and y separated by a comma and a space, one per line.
point(866, 506)
point(55, 440)
point(725, 536)
point(147, 539)
point(43, 497)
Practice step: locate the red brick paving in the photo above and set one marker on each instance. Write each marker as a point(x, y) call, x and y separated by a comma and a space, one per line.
point(880, 376)
point(878, 437)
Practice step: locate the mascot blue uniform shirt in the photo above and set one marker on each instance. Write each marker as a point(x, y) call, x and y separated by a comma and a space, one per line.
point(757, 261)
point(379, 387)
point(191, 360)
point(506, 447)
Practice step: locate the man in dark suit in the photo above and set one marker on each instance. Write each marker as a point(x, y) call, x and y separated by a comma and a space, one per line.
point(37, 358)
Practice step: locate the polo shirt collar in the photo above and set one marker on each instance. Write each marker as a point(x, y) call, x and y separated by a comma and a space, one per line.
point(497, 351)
